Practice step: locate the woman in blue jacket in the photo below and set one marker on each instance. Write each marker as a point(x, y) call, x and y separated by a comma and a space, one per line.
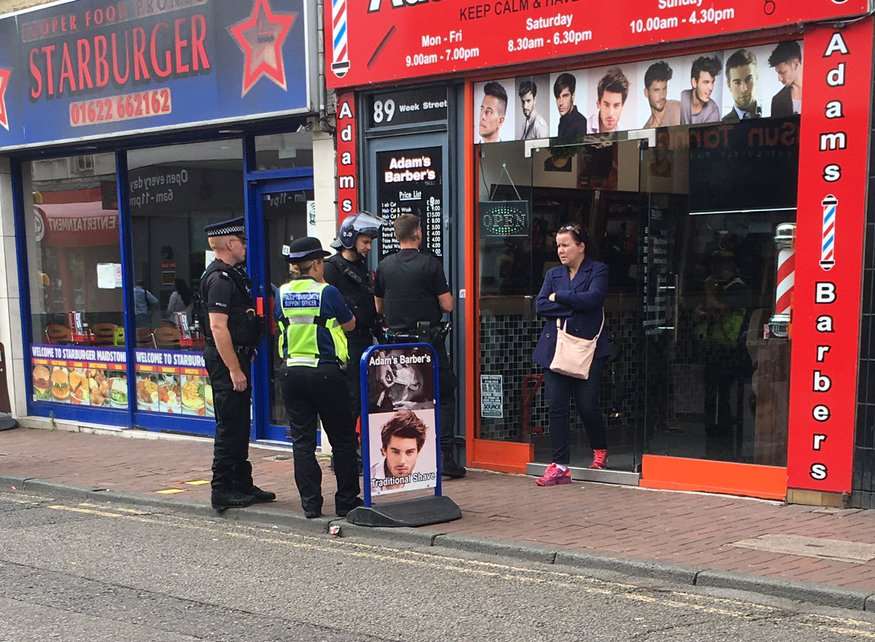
point(574, 291)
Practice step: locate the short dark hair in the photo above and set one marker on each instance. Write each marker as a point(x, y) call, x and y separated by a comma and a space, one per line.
point(564, 81)
point(577, 231)
point(785, 52)
point(406, 226)
point(528, 87)
point(496, 90)
point(740, 58)
point(658, 71)
point(614, 81)
point(407, 425)
point(708, 64)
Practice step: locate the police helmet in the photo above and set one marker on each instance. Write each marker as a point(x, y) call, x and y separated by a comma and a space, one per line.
point(354, 225)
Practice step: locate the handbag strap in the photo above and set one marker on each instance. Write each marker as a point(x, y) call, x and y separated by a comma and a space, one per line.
point(561, 325)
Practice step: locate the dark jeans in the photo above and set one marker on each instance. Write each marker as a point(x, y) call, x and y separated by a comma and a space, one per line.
point(357, 346)
point(321, 393)
point(586, 397)
point(231, 445)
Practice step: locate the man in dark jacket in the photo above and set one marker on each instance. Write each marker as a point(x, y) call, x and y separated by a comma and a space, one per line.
point(572, 124)
point(348, 272)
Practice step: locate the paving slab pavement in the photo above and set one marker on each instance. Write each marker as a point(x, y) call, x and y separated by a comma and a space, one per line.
point(690, 537)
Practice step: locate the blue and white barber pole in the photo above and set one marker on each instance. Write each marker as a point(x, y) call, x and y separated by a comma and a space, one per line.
point(400, 422)
point(830, 206)
point(339, 38)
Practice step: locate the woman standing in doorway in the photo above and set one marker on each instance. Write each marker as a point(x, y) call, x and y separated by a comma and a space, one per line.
point(574, 291)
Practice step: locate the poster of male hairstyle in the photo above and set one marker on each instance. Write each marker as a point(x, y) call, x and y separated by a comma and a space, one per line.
point(532, 107)
point(401, 422)
point(496, 108)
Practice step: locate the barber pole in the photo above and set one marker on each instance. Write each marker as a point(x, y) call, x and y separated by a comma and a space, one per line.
point(339, 38)
point(785, 245)
point(828, 232)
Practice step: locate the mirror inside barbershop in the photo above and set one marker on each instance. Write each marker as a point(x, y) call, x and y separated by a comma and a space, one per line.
point(685, 219)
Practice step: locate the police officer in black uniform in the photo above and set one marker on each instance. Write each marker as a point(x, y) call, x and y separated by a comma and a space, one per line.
point(411, 291)
point(232, 332)
point(348, 272)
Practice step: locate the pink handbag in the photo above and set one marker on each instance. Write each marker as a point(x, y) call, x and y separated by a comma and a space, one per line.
point(573, 356)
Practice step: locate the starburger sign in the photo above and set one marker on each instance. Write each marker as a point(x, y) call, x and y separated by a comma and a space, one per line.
point(91, 68)
point(377, 41)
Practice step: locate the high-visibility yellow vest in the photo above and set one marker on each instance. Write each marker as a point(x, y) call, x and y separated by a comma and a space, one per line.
point(301, 304)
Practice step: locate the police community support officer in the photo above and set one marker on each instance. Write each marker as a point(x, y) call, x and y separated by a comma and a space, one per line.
point(313, 345)
point(232, 332)
point(348, 272)
point(411, 291)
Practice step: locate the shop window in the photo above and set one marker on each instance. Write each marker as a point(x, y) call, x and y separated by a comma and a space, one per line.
point(74, 263)
point(174, 192)
point(284, 151)
point(685, 218)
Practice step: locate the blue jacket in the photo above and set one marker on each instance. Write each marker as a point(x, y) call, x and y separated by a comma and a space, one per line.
point(580, 301)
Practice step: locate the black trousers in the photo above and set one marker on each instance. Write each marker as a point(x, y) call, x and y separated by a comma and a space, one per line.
point(586, 397)
point(317, 393)
point(448, 384)
point(357, 346)
point(231, 445)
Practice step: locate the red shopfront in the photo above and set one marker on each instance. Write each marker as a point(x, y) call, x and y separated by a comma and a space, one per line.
point(741, 282)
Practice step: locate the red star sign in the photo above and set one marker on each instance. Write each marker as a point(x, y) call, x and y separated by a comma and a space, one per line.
point(4, 84)
point(261, 37)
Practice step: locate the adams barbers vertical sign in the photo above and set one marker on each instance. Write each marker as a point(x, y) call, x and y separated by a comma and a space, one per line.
point(347, 156)
point(96, 68)
point(825, 329)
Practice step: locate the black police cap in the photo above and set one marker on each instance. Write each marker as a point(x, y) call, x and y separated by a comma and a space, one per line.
point(306, 249)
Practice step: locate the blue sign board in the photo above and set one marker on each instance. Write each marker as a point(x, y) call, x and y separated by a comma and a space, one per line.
point(94, 68)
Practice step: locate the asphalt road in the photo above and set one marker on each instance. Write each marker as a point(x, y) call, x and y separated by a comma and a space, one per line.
point(71, 571)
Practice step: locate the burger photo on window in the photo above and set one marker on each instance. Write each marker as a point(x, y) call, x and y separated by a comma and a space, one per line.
point(42, 387)
point(118, 393)
point(60, 384)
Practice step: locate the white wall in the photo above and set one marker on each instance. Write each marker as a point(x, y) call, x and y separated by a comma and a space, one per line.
point(10, 310)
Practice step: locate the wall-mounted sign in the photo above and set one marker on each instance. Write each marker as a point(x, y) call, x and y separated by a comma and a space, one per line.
point(347, 156)
point(408, 107)
point(492, 396)
point(92, 68)
point(379, 41)
point(505, 218)
point(410, 181)
point(825, 329)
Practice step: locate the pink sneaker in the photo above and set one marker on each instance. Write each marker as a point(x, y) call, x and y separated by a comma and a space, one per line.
point(599, 459)
point(554, 476)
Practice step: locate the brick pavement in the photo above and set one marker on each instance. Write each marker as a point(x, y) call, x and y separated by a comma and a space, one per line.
point(691, 530)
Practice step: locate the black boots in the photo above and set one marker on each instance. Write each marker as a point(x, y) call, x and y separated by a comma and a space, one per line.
point(222, 499)
point(450, 467)
point(241, 492)
point(243, 477)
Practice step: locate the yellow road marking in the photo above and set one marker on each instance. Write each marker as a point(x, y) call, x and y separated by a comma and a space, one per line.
point(169, 491)
point(678, 599)
point(197, 482)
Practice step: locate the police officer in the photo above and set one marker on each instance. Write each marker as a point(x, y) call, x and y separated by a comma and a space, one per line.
point(313, 344)
point(232, 331)
point(411, 291)
point(348, 272)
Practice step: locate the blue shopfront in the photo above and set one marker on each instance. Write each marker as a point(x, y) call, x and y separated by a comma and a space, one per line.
point(129, 126)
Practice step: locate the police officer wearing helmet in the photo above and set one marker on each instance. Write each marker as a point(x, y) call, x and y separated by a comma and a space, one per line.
point(314, 318)
point(413, 294)
point(348, 272)
point(232, 332)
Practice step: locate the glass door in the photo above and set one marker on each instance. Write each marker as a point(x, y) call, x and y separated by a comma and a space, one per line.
point(282, 211)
